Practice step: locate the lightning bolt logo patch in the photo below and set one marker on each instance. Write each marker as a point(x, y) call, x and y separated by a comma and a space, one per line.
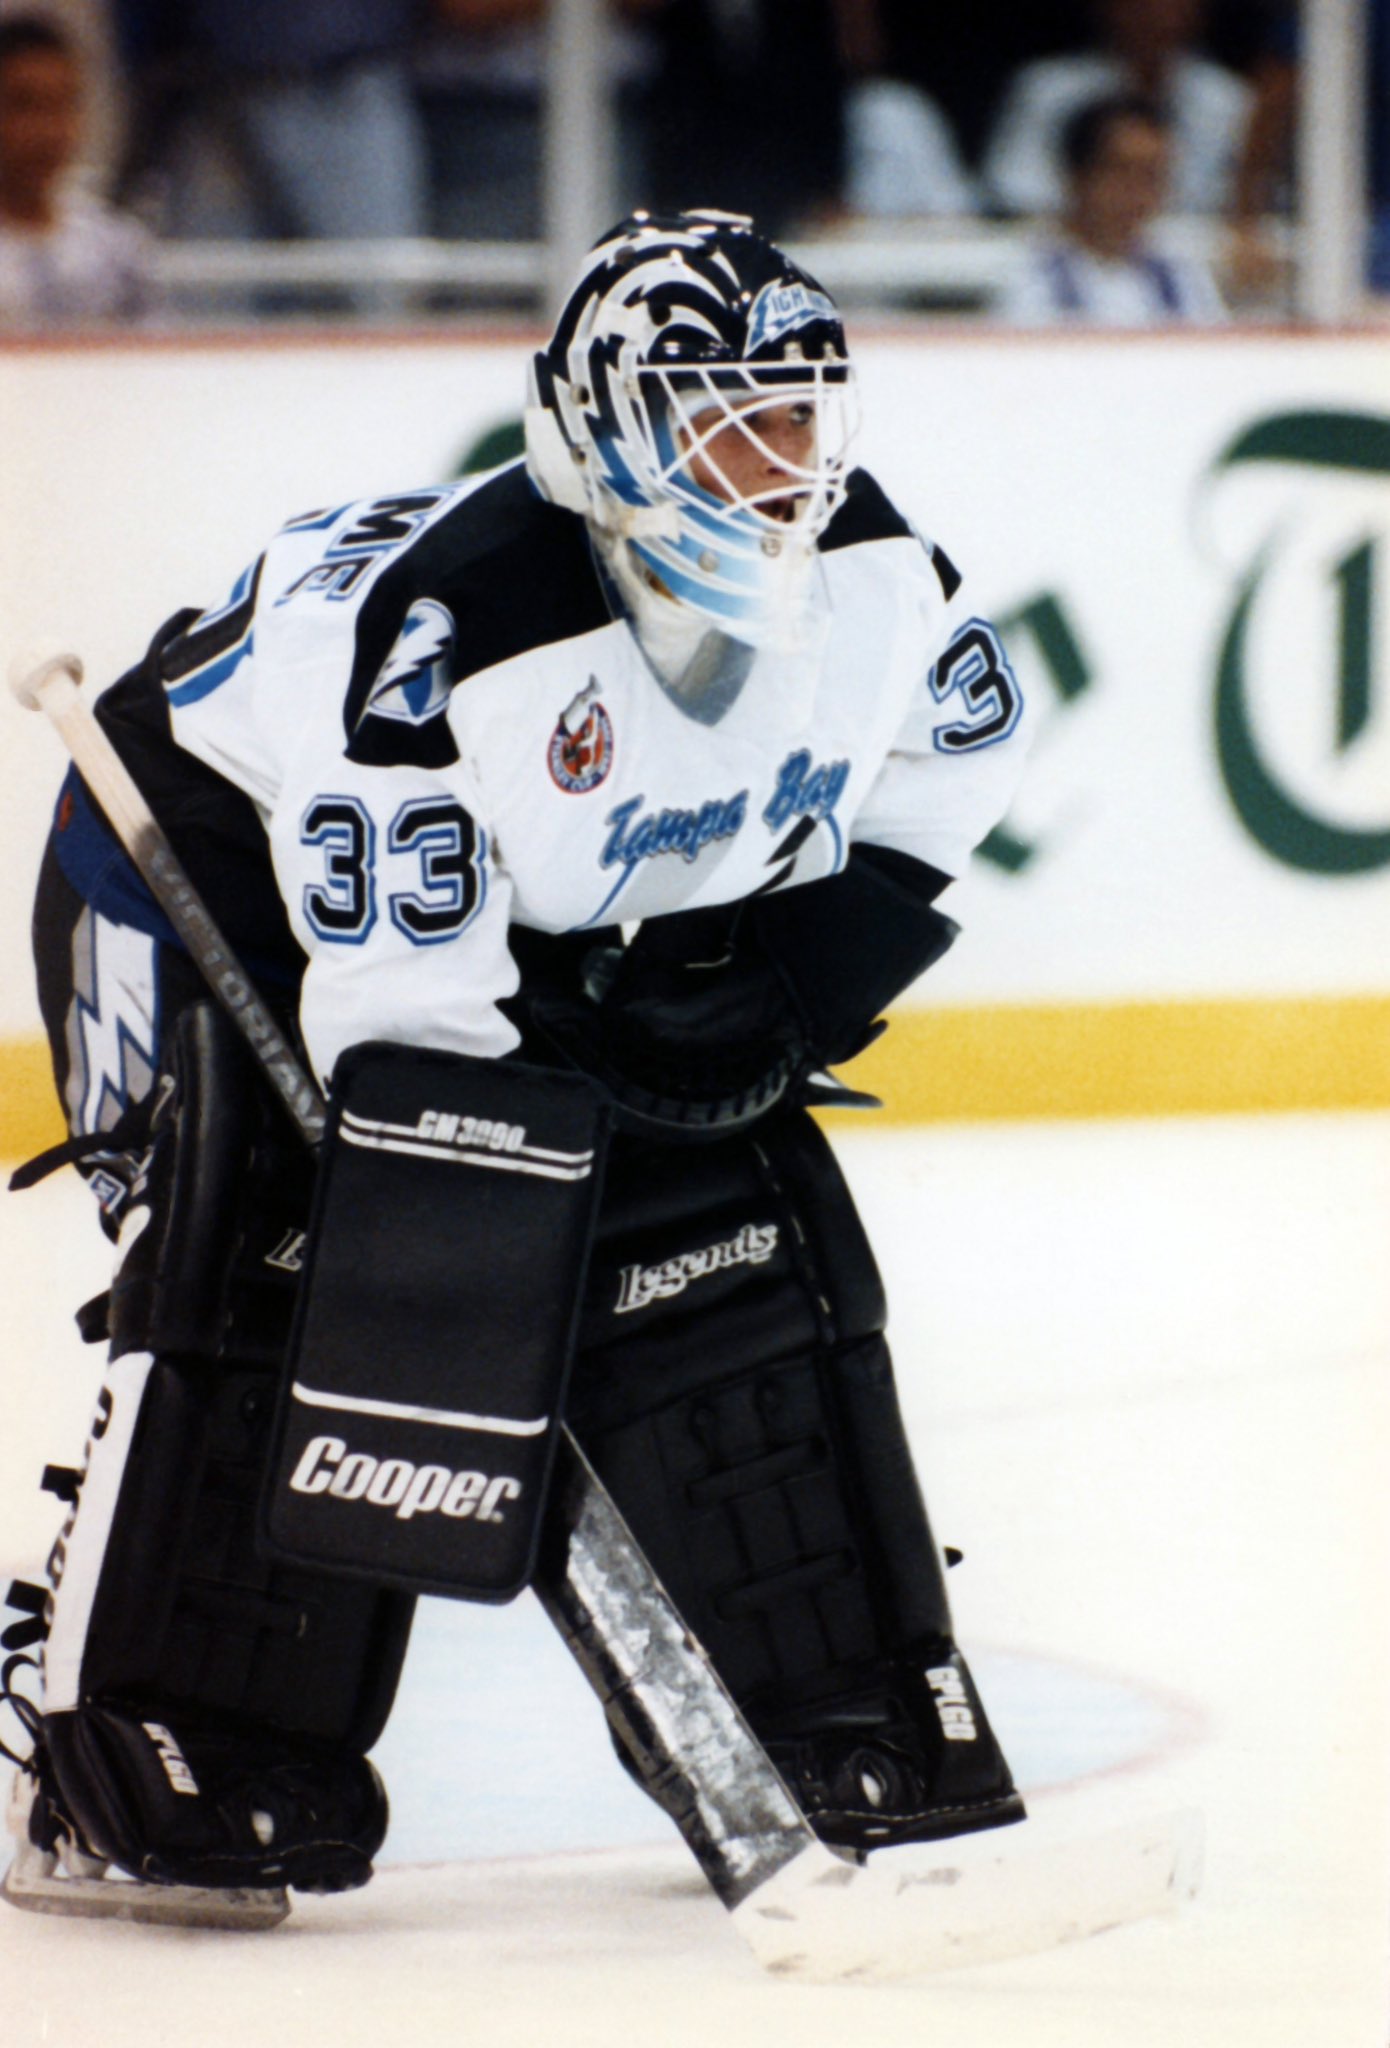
point(418, 674)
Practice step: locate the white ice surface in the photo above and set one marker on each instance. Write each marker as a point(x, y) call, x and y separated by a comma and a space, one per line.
point(1146, 1371)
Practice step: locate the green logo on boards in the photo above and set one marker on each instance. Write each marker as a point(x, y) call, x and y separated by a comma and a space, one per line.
point(1045, 622)
point(1347, 445)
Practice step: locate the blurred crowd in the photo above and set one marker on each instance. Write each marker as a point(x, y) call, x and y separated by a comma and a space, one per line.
point(1103, 123)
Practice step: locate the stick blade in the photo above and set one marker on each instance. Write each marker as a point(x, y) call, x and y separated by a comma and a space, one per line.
point(978, 1899)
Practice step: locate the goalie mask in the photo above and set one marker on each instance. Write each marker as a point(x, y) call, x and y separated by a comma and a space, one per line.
point(696, 404)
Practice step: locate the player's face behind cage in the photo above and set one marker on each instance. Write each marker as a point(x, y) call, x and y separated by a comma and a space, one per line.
point(765, 451)
point(741, 469)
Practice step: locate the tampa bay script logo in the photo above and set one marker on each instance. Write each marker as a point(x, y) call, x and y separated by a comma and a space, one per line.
point(1306, 631)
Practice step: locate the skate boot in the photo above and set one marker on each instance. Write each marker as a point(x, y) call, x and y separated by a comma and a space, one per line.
point(176, 1798)
point(116, 1815)
point(54, 1871)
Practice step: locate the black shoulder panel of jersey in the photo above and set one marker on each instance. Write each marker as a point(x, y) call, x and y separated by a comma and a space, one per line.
point(213, 827)
point(514, 572)
point(868, 513)
point(946, 570)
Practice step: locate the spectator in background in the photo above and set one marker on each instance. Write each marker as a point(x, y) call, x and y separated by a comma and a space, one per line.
point(922, 98)
point(746, 110)
point(480, 72)
point(277, 117)
point(901, 157)
point(1266, 175)
point(1104, 266)
point(1148, 47)
point(65, 259)
point(1378, 124)
point(1262, 185)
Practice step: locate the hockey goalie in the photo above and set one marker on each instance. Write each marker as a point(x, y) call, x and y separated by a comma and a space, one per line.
point(575, 820)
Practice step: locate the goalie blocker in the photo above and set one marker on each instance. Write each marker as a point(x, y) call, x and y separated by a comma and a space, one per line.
point(446, 1255)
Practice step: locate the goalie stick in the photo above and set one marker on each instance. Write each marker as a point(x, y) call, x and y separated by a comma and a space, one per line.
point(802, 1908)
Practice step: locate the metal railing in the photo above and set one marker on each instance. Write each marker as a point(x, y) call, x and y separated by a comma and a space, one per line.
point(943, 266)
point(947, 267)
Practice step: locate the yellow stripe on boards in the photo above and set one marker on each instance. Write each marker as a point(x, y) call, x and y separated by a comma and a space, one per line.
point(1131, 1059)
point(30, 1117)
point(1021, 1060)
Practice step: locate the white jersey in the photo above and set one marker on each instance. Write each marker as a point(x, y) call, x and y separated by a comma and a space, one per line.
point(1060, 283)
point(1208, 105)
point(445, 733)
point(92, 265)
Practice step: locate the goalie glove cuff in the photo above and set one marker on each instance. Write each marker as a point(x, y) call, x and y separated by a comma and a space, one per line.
point(661, 1088)
point(845, 946)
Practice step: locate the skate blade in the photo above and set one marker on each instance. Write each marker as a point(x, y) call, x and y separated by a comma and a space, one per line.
point(35, 1888)
point(981, 1898)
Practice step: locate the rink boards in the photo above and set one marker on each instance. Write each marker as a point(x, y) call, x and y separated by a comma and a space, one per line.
point(1185, 540)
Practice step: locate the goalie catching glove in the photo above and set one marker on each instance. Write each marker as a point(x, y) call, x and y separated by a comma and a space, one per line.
point(710, 1018)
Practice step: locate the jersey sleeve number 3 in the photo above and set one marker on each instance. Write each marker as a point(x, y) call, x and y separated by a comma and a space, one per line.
point(450, 851)
point(976, 665)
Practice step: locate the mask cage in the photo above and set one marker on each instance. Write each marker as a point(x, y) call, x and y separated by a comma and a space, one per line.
point(682, 410)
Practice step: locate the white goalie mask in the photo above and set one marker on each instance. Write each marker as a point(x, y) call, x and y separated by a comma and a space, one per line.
point(696, 403)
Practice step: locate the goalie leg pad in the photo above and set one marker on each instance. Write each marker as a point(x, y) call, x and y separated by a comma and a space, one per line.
point(446, 1257)
point(164, 1610)
point(736, 1395)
